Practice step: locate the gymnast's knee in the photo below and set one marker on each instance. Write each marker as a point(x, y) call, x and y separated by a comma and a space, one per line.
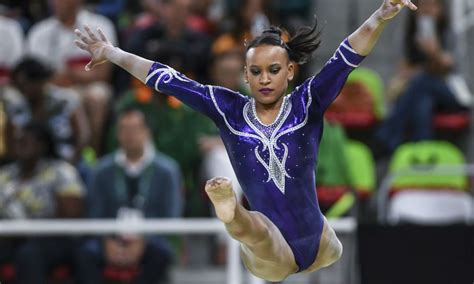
point(333, 251)
point(338, 249)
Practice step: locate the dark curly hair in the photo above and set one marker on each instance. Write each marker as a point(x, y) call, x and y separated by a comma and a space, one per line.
point(300, 46)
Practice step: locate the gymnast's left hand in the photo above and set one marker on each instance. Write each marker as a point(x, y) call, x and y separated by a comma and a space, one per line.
point(95, 44)
point(391, 8)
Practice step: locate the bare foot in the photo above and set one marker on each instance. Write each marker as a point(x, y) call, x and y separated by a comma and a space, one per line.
point(222, 195)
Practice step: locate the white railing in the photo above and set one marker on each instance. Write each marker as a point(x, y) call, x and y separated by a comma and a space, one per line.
point(156, 226)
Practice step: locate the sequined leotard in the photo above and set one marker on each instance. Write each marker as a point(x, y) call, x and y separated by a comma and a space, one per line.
point(274, 163)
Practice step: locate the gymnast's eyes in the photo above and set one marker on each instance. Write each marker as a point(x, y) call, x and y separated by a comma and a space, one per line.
point(255, 71)
point(275, 70)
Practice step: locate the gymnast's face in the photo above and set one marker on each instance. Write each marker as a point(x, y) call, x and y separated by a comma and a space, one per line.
point(268, 70)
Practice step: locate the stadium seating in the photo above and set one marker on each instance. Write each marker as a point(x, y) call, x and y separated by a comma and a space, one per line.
point(423, 196)
point(345, 169)
point(360, 104)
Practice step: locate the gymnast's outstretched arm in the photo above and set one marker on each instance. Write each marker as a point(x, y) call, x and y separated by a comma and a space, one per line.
point(366, 36)
point(156, 75)
point(101, 50)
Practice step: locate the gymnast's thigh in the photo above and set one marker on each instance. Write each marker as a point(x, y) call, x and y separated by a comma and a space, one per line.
point(276, 261)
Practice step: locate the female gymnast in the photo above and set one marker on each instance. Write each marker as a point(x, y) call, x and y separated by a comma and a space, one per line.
point(272, 138)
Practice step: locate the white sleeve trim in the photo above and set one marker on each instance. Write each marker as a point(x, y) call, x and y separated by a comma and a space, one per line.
point(151, 75)
point(345, 59)
point(349, 48)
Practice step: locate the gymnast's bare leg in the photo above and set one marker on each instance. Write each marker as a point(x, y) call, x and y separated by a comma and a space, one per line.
point(264, 251)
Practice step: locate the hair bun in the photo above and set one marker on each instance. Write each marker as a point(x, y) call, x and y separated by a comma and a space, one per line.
point(273, 30)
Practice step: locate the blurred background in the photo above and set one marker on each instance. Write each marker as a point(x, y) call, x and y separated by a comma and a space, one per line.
point(396, 157)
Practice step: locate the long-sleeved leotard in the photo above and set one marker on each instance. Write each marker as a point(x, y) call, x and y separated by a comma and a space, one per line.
point(274, 163)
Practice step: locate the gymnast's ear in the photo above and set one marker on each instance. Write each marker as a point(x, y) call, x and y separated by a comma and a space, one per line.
point(291, 70)
point(246, 75)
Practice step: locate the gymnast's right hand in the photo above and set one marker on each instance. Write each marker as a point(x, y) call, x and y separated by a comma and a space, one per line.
point(96, 44)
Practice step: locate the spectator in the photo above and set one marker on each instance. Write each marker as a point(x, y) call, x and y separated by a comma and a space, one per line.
point(36, 186)
point(200, 19)
point(250, 18)
point(165, 117)
point(11, 46)
point(431, 61)
point(136, 181)
point(52, 40)
point(58, 108)
point(172, 42)
point(148, 15)
point(227, 71)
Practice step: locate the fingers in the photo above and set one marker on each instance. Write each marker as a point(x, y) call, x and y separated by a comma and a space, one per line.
point(406, 3)
point(410, 5)
point(101, 34)
point(91, 37)
point(84, 38)
point(80, 44)
point(90, 33)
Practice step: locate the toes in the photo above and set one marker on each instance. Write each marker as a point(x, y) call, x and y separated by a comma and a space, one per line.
point(218, 182)
point(222, 180)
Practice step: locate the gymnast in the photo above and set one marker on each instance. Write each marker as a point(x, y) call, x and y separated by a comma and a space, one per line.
point(271, 138)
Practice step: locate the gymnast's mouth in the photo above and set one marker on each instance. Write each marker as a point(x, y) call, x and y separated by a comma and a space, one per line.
point(265, 91)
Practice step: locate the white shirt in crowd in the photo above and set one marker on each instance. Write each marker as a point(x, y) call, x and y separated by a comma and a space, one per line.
point(54, 43)
point(11, 43)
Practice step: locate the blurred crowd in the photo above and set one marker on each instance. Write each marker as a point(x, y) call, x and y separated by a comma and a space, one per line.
point(99, 144)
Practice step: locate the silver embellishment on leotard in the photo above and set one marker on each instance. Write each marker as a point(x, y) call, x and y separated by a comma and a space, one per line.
point(275, 167)
point(308, 104)
point(235, 132)
point(166, 73)
point(268, 135)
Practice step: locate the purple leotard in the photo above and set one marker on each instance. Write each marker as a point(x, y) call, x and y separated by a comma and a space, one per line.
point(274, 163)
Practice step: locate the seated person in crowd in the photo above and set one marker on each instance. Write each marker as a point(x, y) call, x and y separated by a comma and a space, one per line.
point(186, 145)
point(172, 42)
point(35, 98)
point(136, 181)
point(38, 185)
point(51, 40)
point(431, 63)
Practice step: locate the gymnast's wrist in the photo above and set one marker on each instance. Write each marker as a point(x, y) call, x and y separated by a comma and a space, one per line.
point(378, 17)
point(112, 53)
